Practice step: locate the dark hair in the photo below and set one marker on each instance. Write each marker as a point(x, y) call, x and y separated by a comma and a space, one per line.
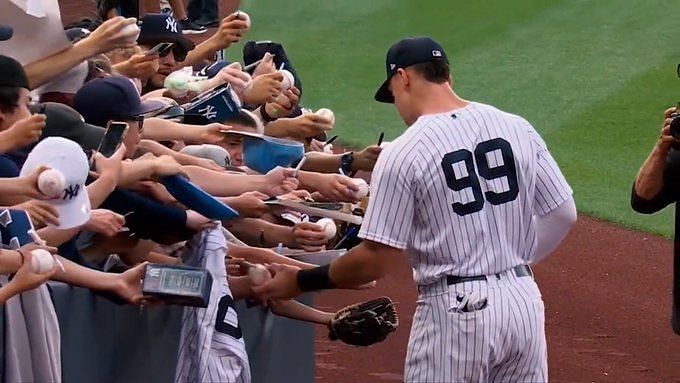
point(9, 98)
point(433, 71)
point(241, 119)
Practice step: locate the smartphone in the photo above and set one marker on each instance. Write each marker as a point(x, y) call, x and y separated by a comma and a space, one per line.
point(113, 137)
point(159, 49)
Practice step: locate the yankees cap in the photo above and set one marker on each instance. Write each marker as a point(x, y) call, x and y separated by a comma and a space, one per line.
point(403, 54)
point(6, 32)
point(67, 157)
point(112, 98)
point(159, 28)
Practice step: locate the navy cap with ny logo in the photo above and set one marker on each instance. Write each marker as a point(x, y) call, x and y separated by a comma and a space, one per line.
point(403, 54)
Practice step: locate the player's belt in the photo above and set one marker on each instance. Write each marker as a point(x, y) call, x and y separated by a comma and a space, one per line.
point(520, 271)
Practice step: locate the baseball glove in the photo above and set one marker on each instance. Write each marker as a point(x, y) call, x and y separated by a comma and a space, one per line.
point(364, 324)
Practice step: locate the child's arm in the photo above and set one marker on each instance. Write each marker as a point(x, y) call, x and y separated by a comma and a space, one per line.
point(295, 310)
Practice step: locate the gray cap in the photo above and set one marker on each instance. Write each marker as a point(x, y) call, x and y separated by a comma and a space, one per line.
point(218, 154)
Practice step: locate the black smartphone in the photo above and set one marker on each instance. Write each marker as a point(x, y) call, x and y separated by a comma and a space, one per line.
point(113, 137)
point(159, 49)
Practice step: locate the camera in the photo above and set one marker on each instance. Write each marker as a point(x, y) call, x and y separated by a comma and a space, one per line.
point(675, 124)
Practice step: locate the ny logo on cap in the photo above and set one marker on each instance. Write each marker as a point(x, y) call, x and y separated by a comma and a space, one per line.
point(71, 192)
point(436, 53)
point(208, 112)
point(392, 66)
point(171, 24)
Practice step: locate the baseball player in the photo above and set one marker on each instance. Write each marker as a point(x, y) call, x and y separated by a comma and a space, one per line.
point(472, 196)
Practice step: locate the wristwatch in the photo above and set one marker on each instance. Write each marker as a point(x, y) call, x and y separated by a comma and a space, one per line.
point(346, 162)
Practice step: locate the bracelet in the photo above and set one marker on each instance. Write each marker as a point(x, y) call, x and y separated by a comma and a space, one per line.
point(265, 116)
point(314, 279)
point(23, 257)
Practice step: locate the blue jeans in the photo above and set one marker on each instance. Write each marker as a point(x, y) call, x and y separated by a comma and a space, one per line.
point(206, 9)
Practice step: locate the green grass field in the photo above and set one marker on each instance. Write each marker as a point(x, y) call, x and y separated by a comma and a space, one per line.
point(592, 76)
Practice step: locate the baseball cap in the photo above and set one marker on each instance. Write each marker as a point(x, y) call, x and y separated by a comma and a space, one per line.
point(112, 98)
point(159, 28)
point(264, 153)
point(6, 32)
point(64, 121)
point(67, 157)
point(213, 69)
point(216, 153)
point(403, 54)
point(12, 74)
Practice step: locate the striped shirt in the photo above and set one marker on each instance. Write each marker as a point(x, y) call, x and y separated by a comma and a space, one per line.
point(211, 345)
point(459, 190)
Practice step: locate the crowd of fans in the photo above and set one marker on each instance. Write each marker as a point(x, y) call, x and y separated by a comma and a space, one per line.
point(129, 217)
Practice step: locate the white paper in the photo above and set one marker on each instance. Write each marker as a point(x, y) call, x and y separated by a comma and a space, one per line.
point(34, 37)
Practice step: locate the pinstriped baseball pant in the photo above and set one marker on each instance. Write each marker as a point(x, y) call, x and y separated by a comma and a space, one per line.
point(502, 342)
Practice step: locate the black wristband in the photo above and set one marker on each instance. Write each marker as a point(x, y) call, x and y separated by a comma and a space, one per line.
point(265, 116)
point(314, 279)
point(346, 161)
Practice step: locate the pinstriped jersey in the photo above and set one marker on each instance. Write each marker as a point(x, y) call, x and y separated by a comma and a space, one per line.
point(458, 191)
point(211, 345)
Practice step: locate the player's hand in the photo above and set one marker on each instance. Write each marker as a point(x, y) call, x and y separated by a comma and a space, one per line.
point(113, 33)
point(309, 236)
point(666, 140)
point(197, 222)
point(282, 286)
point(366, 159)
point(336, 187)
point(25, 131)
point(40, 212)
point(105, 222)
point(280, 181)
point(230, 31)
point(138, 66)
point(250, 204)
point(264, 88)
point(25, 278)
point(308, 125)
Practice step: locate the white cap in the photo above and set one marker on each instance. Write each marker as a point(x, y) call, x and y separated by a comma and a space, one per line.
point(68, 157)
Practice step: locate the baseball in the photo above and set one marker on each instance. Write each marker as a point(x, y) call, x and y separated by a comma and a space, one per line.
point(258, 274)
point(328, 226)
point(243, 16)
point(51, 183)
point(288, 79)
point(177, 83)
point(325, 112)
point(363, 188)
point(132, 32)
point(41, 261)
point(384, 144)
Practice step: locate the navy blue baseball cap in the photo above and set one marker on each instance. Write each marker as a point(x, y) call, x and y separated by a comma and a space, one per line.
point(160, 28)
point(6, 32)
point(112, 98)
point(403, 54)
point(213, 69)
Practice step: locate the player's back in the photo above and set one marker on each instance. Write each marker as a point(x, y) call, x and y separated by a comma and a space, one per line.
point(473, 173)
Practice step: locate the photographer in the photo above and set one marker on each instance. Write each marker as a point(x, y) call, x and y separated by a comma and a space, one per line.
point(657, 183)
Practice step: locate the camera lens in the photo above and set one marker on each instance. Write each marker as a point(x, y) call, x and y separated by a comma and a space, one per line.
point(675, 126)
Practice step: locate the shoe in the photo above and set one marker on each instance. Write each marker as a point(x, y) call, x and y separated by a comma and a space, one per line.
point(206, 22)
point(191, 28)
